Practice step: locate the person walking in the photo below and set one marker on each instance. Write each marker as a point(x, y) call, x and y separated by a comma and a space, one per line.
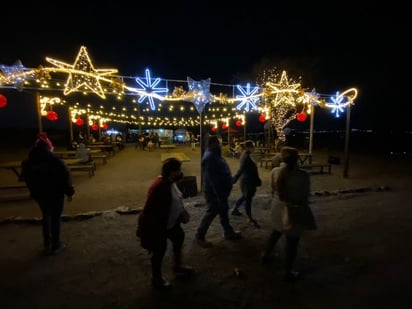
point(291, 214)
point(249, 181)
point(49, 181)
point(217, 185)
point(160, 220)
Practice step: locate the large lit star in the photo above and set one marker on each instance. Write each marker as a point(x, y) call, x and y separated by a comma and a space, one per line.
point(149, 89)
point(283, 90)
point(83, 74)
point(199, 93)
point(247, 97)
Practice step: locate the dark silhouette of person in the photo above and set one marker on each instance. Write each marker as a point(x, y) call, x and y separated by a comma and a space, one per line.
point(49, 181)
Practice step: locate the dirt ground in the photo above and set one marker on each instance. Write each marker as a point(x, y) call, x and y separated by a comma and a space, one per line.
point(359, 256)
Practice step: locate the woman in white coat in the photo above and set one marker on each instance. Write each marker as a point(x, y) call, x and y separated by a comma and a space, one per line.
point(290, 188)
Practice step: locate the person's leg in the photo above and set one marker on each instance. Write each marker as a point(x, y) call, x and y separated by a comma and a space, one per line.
point(270, 245)
point(207, 219)
point(158, 253)
point(238, 203)
point(177, 236)
point(56, 223)
point(223, 210)
point(291, 249)
point(46, 226)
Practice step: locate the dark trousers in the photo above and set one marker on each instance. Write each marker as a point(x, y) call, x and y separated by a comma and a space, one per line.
point(176, 236)
point(52, 210)
point(214, 208)
point(247, 196)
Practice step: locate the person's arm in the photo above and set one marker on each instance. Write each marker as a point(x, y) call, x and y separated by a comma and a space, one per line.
point(241, 169)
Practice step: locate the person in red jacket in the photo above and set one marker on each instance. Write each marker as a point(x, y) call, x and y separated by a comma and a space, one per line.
point(160, 220)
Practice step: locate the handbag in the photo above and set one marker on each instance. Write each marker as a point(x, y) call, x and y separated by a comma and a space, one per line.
point(184, 216)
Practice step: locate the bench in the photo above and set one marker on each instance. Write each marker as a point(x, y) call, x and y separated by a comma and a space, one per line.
point(320, 166)
point(102, 156)
point(90, 168)
point(11, 187)
point(266, 161)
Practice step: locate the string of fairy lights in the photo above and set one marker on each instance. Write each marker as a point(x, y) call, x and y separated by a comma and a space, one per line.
point(157, 102)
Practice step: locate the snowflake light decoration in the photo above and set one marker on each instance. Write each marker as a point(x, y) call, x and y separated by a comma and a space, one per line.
point(149, 89)
point(247, 97)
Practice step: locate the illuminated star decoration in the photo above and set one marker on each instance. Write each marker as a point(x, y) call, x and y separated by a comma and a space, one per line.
point(248, 100)
point(199, 93)
point(15, 75)
point(149, 89)
point(83, 74)
point(283, 90)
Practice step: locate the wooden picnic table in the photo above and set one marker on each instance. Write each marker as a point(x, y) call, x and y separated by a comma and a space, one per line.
point(71, 153)
point(178, 155)
point(14, 166)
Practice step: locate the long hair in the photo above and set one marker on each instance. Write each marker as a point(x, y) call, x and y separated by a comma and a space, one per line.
point(290, 156)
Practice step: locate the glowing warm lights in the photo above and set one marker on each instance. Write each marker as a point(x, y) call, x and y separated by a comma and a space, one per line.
point(277, 98)
point(82, 74)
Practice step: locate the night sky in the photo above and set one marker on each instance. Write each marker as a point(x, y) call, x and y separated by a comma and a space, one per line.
point(332, 47)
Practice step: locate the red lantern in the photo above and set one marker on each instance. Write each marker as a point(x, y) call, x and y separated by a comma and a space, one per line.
point(301, 117)
point(52, 116)
point(213, 129)
point(95, 127)
point(105, 126)
point(262, 118)
point(224, 126)
point(79, 121)
point(3, 101)
point(238, 123)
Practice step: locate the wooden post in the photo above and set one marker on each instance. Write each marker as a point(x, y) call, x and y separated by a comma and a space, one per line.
point(39, 119)
point(346, 163)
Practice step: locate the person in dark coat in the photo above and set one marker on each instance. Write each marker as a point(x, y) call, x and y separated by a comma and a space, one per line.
point(249, 181)
point(217, 185)
point(160, 220)
point(49, 181)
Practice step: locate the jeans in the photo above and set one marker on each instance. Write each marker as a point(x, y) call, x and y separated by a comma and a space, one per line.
point(215, 207)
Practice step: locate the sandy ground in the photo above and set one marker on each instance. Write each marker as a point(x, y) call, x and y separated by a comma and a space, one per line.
point(358, 258)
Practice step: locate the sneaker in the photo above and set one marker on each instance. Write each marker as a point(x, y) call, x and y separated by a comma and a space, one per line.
point(234, 236)
point(183, 270)
point(161, 284)
point(204, 243)
point(236, 212)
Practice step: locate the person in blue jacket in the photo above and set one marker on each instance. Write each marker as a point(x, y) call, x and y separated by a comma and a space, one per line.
point(217, 185)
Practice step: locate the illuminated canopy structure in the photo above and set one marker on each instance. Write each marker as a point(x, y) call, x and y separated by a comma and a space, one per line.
point(145, 100)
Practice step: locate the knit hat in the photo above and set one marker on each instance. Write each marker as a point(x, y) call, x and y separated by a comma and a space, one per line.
point(43, 142)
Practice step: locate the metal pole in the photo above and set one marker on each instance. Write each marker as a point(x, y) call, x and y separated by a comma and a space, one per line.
point(312, 117)
point(244, 126)
point(70, 125)
point(346, 163)
point(202, 147)
point(39, 120)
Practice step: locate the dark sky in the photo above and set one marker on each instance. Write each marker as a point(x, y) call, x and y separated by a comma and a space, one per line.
point(333, 47)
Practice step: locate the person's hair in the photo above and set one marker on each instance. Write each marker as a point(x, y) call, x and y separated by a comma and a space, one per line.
point(290, 156)
point(213, 140)
point(170, 165)
point(248, 144)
